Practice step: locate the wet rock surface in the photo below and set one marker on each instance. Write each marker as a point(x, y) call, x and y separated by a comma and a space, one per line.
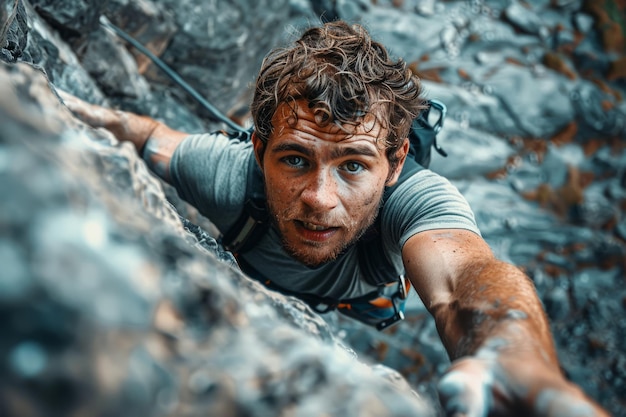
point(113, 305)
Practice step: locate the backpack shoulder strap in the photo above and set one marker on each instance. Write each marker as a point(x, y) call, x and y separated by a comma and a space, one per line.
point(410, 168)
point(254, 219)
point(423, 132)
point(372, 258)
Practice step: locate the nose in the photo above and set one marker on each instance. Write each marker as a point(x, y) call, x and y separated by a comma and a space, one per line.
point(320, 192)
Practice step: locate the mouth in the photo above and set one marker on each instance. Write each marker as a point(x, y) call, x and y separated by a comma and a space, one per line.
point(314, 227)
point(315, 232)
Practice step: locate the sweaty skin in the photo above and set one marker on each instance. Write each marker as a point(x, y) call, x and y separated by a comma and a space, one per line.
point(324, 188)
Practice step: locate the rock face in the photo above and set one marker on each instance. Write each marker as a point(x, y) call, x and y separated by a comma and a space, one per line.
point(112, 305)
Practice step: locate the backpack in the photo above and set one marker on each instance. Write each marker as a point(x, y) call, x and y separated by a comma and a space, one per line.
point(386, 305)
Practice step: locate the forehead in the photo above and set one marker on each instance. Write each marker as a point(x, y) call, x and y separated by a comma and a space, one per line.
point(297, 117)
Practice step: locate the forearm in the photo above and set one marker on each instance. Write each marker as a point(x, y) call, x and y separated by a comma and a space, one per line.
point(494, 328)
point(475, 299)
point(494, 304)
point(154, 141)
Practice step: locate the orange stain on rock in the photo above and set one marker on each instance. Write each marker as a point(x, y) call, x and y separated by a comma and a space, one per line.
point(537, 146)
point(609, 29)
point(565, 135)
point(431, 74)
point(381, 351)
point(463, 74)
point(562, 199)
point(607, 105)
point(556, 63)
point(591, 146)
point(417, 361)
point(514, 61)
point(617, 70)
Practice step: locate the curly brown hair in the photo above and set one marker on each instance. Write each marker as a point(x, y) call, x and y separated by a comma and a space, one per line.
point(344, 75)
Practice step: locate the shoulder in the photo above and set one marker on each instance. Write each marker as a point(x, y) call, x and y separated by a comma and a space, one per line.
point(208, 154)
point(423, 186)
point(425, 201)
point(210, 172)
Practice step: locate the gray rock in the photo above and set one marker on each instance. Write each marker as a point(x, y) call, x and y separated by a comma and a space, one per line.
point(470, 152)
point(524, 18)
point(121, 80)
point(118, 304)
point(557, 303)
point(72, 18)
point(229, 39)
point(14, 30)
point(535, 115)
point(583, 22)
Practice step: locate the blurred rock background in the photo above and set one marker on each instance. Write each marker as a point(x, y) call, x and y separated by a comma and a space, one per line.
point(111, 304)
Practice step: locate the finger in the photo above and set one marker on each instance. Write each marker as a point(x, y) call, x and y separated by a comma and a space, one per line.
point(466, 391)
point(73, 103)
point(93, 115)
point(63, 94)
point(68, 99)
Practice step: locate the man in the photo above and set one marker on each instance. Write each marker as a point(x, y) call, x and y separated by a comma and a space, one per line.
point(332, 115)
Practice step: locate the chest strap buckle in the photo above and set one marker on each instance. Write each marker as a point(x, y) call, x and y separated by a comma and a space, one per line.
point(398, 314)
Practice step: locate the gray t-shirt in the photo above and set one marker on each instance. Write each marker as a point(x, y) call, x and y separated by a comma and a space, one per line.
point(210, 172)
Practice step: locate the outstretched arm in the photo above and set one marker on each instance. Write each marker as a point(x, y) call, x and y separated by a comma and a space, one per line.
point(154, 141)
point(494, 329)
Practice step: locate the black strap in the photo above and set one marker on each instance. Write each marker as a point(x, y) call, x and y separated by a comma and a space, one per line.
point(346, 306)
point(372, 259)
point(316, 302)
point(253, 222)
point(423, 133)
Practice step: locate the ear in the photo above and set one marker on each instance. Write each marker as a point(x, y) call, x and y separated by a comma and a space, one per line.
point(403, 151)
point(259, 149)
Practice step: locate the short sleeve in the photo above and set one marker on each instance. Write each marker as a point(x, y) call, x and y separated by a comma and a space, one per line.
point(209, 171)
point(425, 201)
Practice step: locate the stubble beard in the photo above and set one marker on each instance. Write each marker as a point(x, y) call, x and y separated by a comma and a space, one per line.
point(353, 230)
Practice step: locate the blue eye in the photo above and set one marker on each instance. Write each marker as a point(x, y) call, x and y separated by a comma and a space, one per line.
point(294, 161)
point(353, 167)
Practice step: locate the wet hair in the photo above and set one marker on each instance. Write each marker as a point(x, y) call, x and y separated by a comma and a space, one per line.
point(344, 75)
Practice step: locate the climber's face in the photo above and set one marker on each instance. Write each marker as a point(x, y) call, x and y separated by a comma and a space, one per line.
point(323, 185)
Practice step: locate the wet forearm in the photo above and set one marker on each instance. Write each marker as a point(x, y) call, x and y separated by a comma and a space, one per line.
point(494, 304)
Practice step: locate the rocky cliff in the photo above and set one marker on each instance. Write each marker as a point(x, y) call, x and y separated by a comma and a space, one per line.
point(112, 305)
